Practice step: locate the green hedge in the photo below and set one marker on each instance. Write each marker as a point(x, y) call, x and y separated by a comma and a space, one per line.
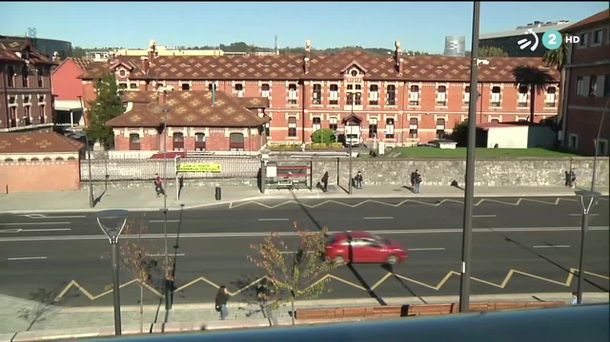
point(320, 146)
point(284, 147)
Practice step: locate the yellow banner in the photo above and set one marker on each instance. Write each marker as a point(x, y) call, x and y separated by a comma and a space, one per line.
point(197, 167)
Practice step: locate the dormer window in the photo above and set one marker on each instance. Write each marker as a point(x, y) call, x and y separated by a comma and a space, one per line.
point(122, 73)
point(354, 72)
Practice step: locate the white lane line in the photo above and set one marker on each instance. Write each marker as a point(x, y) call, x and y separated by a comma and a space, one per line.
point(19, 230)
point(580, 214)
point(160, 255)
point(27, 258)
point(553, 246)
point(31, 223)
point(480, 216)
point(264, 234)
point(379, 217)
point(43, 216)
point(426, 249)
point(161, 221)
point(273, 219)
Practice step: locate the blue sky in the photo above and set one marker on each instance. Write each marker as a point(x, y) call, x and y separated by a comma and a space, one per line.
point(418, 25)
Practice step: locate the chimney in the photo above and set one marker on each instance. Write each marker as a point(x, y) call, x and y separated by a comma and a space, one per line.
point(397, 57)
point(145, 64)
point(307, 57)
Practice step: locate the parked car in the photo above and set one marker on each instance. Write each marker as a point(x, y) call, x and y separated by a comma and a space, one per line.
point(363, 247)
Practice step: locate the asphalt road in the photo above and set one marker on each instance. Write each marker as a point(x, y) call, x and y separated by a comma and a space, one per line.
point(527, 245)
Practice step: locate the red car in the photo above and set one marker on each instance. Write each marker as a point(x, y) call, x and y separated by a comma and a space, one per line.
point(363, 247)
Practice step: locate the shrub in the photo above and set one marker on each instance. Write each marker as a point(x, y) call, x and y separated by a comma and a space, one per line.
point(324, 135)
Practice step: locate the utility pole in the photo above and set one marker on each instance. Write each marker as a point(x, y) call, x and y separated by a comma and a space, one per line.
point(350, 145)
point(91, 201)
point(470, 160)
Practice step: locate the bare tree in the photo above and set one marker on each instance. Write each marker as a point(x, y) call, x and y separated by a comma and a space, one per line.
point(292, 274)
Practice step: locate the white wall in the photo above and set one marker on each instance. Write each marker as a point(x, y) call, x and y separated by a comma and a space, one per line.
point(507, 137)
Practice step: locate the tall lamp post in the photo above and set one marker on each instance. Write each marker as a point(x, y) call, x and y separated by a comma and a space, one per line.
point(116, 219)
point(470, 159)
point(91, 201)
point(166, 286)
point(350, 145)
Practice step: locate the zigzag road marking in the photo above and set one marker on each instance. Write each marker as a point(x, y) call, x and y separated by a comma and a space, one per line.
point(511, 273)
point(516, 203)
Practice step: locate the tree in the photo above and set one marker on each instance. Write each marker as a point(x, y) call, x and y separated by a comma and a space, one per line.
point(460, 133)
point(558, 58)
point(106, 106)
point(492, 51)
point(136, 256)
point(291, 274)
point(534, 78)
point(78, 52)
point(323, 135)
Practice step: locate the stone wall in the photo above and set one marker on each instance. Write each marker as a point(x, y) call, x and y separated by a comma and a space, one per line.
point(513, 172)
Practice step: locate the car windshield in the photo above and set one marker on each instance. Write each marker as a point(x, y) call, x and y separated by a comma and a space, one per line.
point(381, 240)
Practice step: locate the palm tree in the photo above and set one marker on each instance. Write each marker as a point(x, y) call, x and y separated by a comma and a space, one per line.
point(534, 78)
point(558, 58)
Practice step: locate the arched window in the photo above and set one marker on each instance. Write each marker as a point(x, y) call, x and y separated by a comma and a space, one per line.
point(178, 142)
point(236, 142)
point(134, 141)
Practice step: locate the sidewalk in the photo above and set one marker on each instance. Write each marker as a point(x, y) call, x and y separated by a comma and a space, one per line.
point(72, 322)
point(140, 198)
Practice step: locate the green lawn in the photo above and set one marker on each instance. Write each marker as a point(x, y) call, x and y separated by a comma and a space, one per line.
point(481, 153)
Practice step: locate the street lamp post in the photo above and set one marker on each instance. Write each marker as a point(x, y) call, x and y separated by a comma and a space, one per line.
point(470, 159)
point(91, 202)
point(166, 287)
point(117, 219)
point(350, 145)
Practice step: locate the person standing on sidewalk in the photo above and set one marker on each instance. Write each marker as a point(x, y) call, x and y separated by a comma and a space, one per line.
point(222, 296)
point(572, 179)
point(159, 185)
point(359, 179)
point(325, 182)
point(418, 180)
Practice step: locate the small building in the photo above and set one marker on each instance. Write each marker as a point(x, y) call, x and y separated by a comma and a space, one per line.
point(514, 135)
point(68, 91)
point(39, 161)
point(197, 121)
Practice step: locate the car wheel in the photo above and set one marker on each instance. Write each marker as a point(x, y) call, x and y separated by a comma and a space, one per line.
point(338, 260)
point(392, 259)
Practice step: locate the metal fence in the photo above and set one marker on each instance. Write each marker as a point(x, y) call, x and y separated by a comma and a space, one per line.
point(144, 169)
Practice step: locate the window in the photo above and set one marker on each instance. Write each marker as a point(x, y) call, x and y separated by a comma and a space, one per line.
point(494, 121)
point(41, 114)
point(24, 77)
point(597, 37)
point(199, 141)
point(236, 141)
point(122, 85)
point(317, 94)
point(522, 97)
point(573, 141)
point(373, 127)
point(441, 95)
point(440, 128)
point(332, 123)
point(607, 85)
point(292, 93)
point(466, 98)
point(549, 98)
point(413, 128)
point(317, 124)
point(11, 100)
point(267, 128)
point(239, 90)
point(496, 96)
point(186, 87)
point(389, 128)
point(11, 76)
point(334, 94)
point(374, 94)
point(26, 98)
point(592, 86)
point(212, 86)
point(354, 94)
point(13, 116)
point(40, 79)
point(26, 115)
point(134, 141)
point(292, 126)
point(414, 95)
point(40, 98)
point(178, 142)
point(584, 37)
point(601, 146)
point(265, 90)
point(391, 96)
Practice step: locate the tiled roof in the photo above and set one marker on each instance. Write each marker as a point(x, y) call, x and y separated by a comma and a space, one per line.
point(594, 19)
point(328, 67)
point(190, 109)
point(35, 142)
point(253, 102)
point(82, 63)
point(10, 47)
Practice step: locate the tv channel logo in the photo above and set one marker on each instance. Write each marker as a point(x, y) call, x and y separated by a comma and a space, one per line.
point(552, 39)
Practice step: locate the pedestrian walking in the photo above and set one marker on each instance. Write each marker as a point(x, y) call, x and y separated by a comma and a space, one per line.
point(572, 179)
point(418, 181)
point(325, 182)
point(574, 298)
point(359, 179)
point(222, 296)
point(159, 185)
point(413, 179)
